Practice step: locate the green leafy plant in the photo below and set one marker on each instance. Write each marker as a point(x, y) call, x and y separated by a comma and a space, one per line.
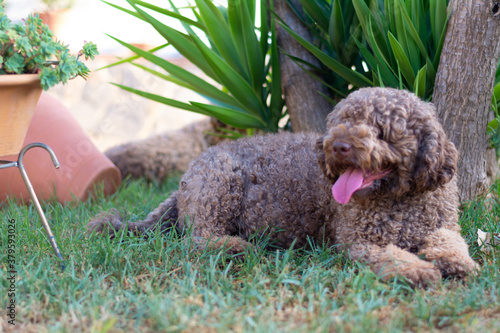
point(240, 60)
point(29, 47)
point(494, 125)
point(395, 43)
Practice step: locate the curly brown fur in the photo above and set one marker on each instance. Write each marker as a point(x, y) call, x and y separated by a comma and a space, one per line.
point(392, 168)
point(160, 156)
point(164, 216)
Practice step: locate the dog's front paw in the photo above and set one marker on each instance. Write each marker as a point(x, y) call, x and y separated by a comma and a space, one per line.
point(105, 223)
point(449, 252)
point(421, 274)
point(418, 273)
point(392, 261)
point(458, 266)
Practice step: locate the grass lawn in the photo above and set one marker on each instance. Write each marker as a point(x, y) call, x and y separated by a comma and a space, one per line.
point(164, 285)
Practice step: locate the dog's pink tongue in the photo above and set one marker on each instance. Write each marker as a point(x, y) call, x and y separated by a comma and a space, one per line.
point(348, 183)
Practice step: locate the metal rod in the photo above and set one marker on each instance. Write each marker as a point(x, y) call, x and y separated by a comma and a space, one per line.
point(33, 196)
point(7, 164)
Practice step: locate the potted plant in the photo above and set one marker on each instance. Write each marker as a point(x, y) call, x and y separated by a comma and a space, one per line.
point(30, 60)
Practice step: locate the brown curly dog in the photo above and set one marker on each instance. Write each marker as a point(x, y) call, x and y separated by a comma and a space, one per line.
point(393, 203)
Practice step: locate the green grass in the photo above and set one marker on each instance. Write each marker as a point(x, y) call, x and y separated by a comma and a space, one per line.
point(164, 285)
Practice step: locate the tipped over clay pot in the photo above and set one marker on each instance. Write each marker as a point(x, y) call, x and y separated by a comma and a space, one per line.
point(83, 166)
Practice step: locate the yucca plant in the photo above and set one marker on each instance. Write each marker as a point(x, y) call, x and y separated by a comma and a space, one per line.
point(395, 43)
point(494, 125)
point(225, 44)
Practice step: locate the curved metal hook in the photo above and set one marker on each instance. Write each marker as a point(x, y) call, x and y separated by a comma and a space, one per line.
point(33, 196)
point(40, 145)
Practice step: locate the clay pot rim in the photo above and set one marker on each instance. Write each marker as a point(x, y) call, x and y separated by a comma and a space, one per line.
point(18, 79)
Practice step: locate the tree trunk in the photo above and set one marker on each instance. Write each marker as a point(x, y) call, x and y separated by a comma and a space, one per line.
point(463, 89)
point(306, 107)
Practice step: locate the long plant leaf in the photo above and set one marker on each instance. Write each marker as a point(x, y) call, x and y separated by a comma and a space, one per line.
point(371, 29)
point(165, 77)
point(219, 34)
point(233, 82)
point(251, 8)
point(185, 24)
point(229, 116)
point(402, 59)
point(419, 86)
point(200, 85)
point(180, 41)
point(264, 28)
point(132, 58)
point(496, 91)
point(317, 13)
point(164, 100)
point(125, 10)
point(497, 74)
point(348, 74)
point(336, 31)
point(172, 14)
point(411, 30)
point(388, 75)
point(438, 18)
point(431, 74)
point(243, 33)
point(276, 103)
point(307, 69)
point(235, 118)
point(384, 59)
point(403, 26)
point(439, 48)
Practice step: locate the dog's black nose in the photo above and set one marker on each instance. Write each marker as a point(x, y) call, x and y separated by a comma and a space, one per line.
point(341, 148)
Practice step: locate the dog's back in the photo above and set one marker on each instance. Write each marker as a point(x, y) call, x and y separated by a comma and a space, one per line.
point(262, 183)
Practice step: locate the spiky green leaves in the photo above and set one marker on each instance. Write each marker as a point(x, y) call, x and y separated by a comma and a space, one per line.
point(240, 61)
point(388, 42)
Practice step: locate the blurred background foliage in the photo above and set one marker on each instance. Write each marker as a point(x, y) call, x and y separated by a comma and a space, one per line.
point(359, 43)
point(240, 60)
point(388, 43)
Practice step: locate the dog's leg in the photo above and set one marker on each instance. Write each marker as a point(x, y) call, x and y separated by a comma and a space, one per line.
point(164, 216)
point(210, 232)
point(449, 252)
point(391, 261)
point(210, 199)
point(232, 245)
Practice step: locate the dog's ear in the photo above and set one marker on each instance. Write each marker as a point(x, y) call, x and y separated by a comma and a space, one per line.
point(320, 151)
point(437, 157)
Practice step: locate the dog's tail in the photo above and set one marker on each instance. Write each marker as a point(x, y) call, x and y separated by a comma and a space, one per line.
point(163, 217)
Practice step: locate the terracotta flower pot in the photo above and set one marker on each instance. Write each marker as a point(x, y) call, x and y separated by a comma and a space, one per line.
point(19, 94)
point(83, 166)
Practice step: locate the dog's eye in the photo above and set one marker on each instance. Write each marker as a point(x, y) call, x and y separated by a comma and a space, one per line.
point(380, 135)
